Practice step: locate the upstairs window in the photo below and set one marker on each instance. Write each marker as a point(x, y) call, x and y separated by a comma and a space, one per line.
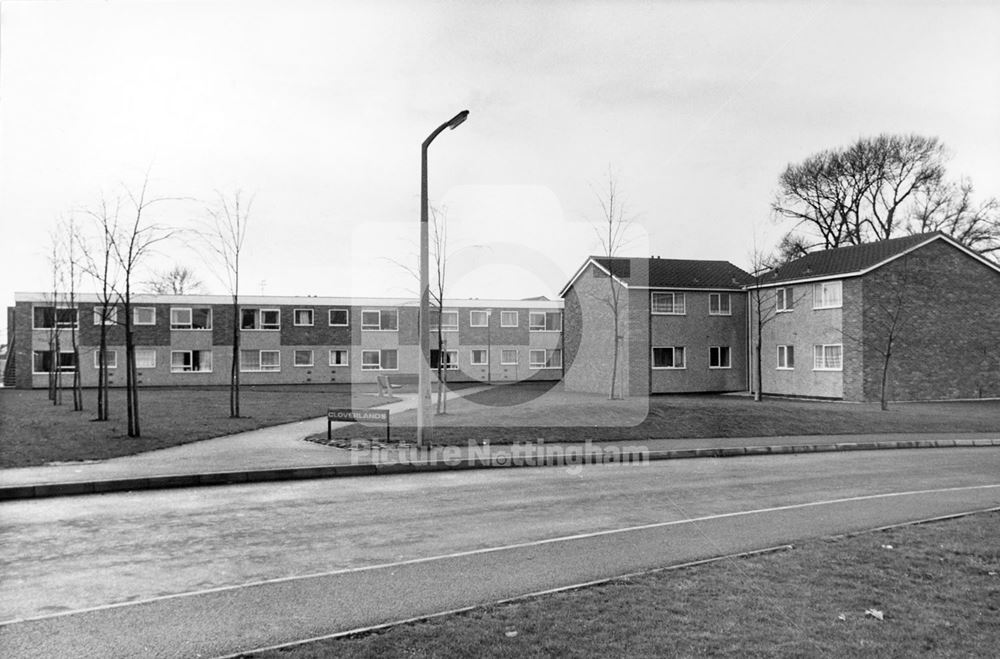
point(384, 320)
point(669, 303)
point(545, 321)
point(105, 315)
point(260, 319)
point(338, 317)
point(719, 304)
point(144, 315)
point(52, 317)
point(508, 319)
point(479, 318)
point(446, 320)
point(190, 318)
point(783, 297)
point(302, 317)
point(827, 295)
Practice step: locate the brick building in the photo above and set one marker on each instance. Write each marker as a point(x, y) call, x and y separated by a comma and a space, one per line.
point(683, 325)
point(830, 315)
point(187, 340)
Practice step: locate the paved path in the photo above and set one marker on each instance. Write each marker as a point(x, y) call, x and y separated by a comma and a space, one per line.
point(210, 572)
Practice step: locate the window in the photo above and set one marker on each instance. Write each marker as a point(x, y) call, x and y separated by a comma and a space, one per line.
point(338, 317)
point(338, 358)
point(378, 360)
point(669, 303)
point(480, 358)
point(145, 358)
point(668, 357)
point(450, 359)
point(545, 358)
point(260, 319)
point(302, 317)
point(508, 319)
point(719, 357)
point(508, 357)
point(51, 317)
point(784, 299)
point(385, 320)
point(144, 315)
point(191, 361)
point(42, 361)
point(190, 318)
point(110, 359)
point(786, 357)
point(827, 295)
point(718, 304)
point(302, 358)
point(479, 318)
point(105, 315)
point(545, 321)
point(260, 360)
point(828, 357)
point(447, 320)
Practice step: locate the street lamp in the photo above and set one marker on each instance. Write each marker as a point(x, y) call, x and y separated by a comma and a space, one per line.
point(423, 380)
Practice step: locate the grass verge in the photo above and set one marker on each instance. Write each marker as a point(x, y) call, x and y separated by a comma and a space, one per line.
point(35, 432)
point(527, 412)
point(938, 588)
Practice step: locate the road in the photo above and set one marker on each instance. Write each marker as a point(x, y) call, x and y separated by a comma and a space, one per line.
point(214, 571)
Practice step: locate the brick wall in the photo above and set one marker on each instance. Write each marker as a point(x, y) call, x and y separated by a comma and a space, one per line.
point(949, 342)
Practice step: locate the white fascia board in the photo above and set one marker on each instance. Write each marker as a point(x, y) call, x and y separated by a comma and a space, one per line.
point(583, 268)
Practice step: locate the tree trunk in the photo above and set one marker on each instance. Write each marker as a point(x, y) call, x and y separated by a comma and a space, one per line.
point(234, 369)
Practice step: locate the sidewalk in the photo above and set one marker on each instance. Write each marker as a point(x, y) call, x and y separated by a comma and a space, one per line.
point(281, 453)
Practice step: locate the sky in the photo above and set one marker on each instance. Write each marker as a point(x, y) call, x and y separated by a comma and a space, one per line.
point(318, 110)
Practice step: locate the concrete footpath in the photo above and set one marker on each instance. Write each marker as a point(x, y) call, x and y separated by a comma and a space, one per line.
point(282, 453)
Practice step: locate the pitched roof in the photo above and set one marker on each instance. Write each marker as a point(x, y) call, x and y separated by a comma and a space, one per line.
point(846, 260)
point(674, 273)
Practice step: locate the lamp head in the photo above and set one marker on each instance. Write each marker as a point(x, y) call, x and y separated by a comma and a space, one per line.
point(457, 120)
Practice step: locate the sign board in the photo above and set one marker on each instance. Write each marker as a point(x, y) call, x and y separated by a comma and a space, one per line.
point(348, 414)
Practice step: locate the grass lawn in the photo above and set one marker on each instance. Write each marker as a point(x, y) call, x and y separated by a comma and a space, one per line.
point(34, 432)
point(938, 588)
point(526, 412)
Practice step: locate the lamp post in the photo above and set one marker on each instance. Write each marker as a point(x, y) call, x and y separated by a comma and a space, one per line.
point(423, 374)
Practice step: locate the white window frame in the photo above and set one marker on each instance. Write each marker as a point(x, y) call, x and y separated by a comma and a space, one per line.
point(112, 353)
point(55, 317)
point(295, 361)
point(784, 351)
point(673, 358)
point(534, 363)
point(486, 318)
point(821, 358)
point(189, 325)
point(135, 315)
point(719, 311)
point(368, 327)
point(450, 364)
point(347, 357)
point(678, 303)
point(347, 317)
point(151, 351)
point(783, 300)
point(378, 365)
point(507, 362)
point(507, 314)
point(59, 369)
point(450, 327)
point(295, 317)
point(191, 361)
point(728, 352)
point(821, 297)
point(534, 326)
point(112, 318)
point(472, 357)
point(269, 327)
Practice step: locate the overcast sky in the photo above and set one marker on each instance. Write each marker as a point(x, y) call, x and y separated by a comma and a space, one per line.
point(319, 109)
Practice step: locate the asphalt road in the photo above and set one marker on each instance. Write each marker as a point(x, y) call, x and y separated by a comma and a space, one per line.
point(214, 571)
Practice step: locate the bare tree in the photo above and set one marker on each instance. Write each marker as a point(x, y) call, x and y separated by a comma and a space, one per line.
point(134, 243)
point(612, 234)
point(862, 193)
point(97, 259)
point(178, 280)
point(55, 367)
point(225, 233)
point(70, 285)
point(949, 207)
